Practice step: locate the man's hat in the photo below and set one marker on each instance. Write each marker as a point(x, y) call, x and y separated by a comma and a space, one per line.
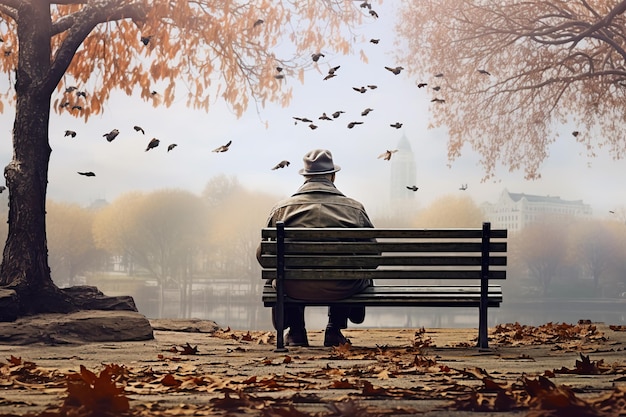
point(318, 162)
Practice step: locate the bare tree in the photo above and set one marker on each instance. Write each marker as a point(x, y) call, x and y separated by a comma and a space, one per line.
point(508, 74)
point(75, 53)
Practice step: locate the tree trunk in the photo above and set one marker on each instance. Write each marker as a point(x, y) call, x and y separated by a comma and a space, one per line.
point(26, 286)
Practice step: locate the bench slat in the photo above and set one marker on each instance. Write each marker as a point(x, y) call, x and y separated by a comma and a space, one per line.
point(380, 247)
point(356, 261)
point(373, 233)
point(338, 274)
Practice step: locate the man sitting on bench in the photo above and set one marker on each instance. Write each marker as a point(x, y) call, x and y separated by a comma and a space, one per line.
point(318, 203)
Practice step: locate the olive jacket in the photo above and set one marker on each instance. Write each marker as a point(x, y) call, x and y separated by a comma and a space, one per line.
point(318, 203)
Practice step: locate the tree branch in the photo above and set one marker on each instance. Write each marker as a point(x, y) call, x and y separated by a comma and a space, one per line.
point(80, 24)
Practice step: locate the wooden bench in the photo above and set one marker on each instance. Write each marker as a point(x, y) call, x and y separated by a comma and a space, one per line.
point(410, 267)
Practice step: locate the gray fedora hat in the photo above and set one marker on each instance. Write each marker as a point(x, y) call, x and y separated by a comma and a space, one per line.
point(318, 162)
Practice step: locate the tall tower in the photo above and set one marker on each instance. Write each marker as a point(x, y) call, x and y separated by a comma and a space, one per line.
point(403, 174)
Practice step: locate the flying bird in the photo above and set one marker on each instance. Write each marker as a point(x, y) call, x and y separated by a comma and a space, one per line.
point(70, 133)
point(279, 76)
point(70, 89)
point(223, 148)
point(412, 187)
point(312, 126)
point(387, 154)
point(171, 146)
point(437, 88)
point(139, 129)
point(372, 86)
point(76, 107)
point(2, 188)
point(146, 39)
point(396, 125)
point(420, 85)
point(316, 57)
point(302, 119)
point(575, 133)
point(366, 111)
point(111, 135)
point(360, 89)
point(81, 93)
point(324, 117)
point(333, 69)
point(365, 4)
point(463, 187)
point(373, 14)
point(337, 114)
point(154, 142)
point(439, 75)
point(281, 164)
point(484, 72)
point(437, 100)
point(329, 76)
point(374, 41)
point(395, 70)
point(610, 211)
point(87, 174)
point(352, 124)
point(258, 22)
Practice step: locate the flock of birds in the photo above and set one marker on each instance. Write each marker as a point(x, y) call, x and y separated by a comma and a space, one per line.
point(73, 96)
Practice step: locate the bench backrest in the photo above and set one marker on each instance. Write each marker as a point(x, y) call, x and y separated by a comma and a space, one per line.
point(384, 253)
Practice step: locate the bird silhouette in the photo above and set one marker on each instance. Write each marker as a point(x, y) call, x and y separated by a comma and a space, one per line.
point(154, 142)
point(610, 211)
point(352, 124)
point(281, 164)
point(324, 117)
point(87, 174)
point(64, 104)
point(387, 154)
point(146, 39)
point(77, 107)
point(360, 89)
point(396, 125)
point(372, 86)
point(302, 119)
point(373, 14)
point(437, 88)
point(484, 72)
point(463, 187)
point(279, 76)
point(312, 126)
point(139, 129)
point(412, 187)
point(420, 85)
point(2, 188)
point(575, 133)
point(316, 56)
point(171, 146)
point(70, 89)
point(329, 76)
point(395, 70)
point(111, 135)
point(81, 94)
point(439, 75)
point(437, 100)
point(366, 111)
point(337, 113)
point(374, 41)
point(333, 69)
point(258, 22)
point(279, 69)
point(70, 133)
point(365, 4)
point(223, 148)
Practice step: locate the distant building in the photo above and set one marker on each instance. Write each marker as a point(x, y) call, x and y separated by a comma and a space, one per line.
point(403, 174)
point(514, 211)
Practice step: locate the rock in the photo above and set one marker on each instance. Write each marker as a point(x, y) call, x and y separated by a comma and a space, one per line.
point(85, 326)
point(185, 325)
point(87, 297)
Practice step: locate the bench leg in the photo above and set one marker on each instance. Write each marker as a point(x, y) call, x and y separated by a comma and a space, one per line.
point(278, 315)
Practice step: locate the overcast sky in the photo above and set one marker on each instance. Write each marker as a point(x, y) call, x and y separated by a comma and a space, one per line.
point(123, 165)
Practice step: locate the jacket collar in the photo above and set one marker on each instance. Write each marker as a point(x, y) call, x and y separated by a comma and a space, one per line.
point(316, 184)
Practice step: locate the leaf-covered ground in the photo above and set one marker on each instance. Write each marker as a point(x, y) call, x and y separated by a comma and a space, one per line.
point(552, 370)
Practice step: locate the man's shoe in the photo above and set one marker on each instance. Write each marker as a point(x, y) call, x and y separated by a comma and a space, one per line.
point(357, 314)
point(297, 337)
point(333, 337)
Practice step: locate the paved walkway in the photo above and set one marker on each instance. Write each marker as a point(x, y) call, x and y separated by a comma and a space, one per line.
point(426, 372)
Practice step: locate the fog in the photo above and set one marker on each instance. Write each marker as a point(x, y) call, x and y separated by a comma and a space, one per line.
point(223, 283)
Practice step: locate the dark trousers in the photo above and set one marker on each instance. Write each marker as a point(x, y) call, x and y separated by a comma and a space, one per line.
point(338, 316)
